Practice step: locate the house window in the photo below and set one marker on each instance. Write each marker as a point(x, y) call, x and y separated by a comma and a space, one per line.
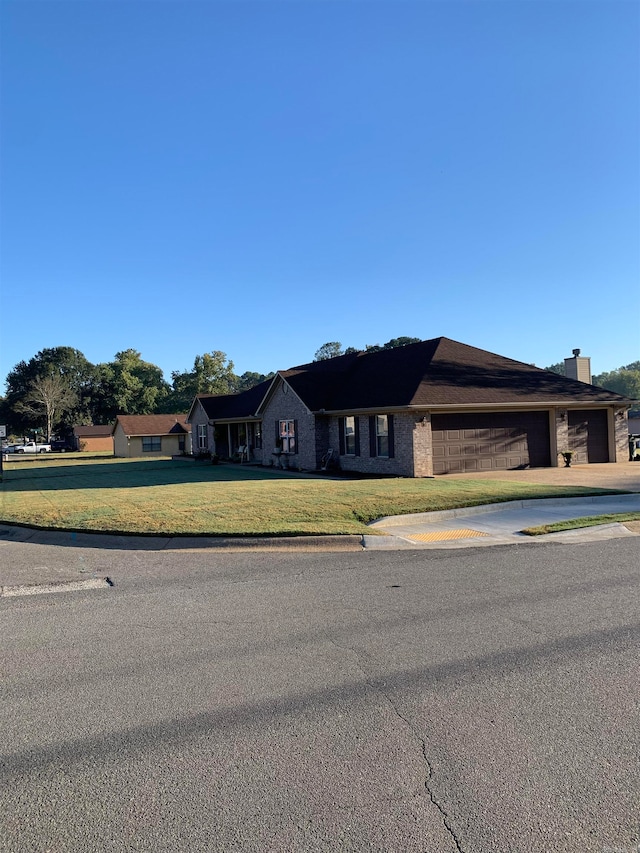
point(257, 436)
point(287, 433)
point(202, 436)
point(381, 436)
point(151, 443)
point(350, 435)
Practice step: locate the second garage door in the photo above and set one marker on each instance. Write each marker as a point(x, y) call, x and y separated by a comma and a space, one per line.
point(490, 441)
point(589, 436)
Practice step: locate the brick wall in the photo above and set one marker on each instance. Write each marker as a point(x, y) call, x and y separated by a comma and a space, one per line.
point(88, 444)
point(286, 405)
point(199, 417)
point(561, 443)
point(400, 465)
point(422, 446)
point(621, 437)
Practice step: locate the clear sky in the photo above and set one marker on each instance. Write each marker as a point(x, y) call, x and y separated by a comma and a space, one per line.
point(181, 176)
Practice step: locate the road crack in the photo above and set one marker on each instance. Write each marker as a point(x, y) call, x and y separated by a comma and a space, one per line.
point(428, 783)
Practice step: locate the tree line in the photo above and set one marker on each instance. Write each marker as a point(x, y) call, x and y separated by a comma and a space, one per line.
point(625, 380)
point(59, 388)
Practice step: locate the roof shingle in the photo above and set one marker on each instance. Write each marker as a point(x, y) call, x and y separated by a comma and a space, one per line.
point(433, 373)
point(152, 424)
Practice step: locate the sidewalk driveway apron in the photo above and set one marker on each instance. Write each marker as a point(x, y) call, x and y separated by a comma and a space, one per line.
point(494, 524)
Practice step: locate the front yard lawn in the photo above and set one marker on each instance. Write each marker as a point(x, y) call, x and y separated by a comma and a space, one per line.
point(166, 497)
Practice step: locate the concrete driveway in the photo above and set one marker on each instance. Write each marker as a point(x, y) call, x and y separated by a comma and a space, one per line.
point(498, 524)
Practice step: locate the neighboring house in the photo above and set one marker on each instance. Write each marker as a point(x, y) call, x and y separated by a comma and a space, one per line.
point(434, 407)
point(151, 435)
point(93, 439)
point(634, 420)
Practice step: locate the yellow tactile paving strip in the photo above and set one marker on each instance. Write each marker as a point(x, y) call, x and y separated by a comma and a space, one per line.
point(441, 535)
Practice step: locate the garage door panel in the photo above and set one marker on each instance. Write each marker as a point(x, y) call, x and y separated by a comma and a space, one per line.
point(589, 435)
point(499, 441)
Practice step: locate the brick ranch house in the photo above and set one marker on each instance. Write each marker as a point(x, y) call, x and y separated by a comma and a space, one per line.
point(151, 435)
point(434, 407)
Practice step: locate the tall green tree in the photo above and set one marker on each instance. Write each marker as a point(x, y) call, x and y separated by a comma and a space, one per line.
point(212, 373)
point(76, 373)
point(331, 349)
point(249, 379)
point(129, 385)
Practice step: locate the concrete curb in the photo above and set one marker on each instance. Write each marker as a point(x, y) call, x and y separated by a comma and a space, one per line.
point(346, 542)
point(482, 509)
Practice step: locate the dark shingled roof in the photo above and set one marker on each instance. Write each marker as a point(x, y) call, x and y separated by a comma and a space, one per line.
point(229, 406)
point(438, 372)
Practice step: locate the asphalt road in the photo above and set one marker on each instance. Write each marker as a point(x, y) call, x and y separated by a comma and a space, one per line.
point(473, 700)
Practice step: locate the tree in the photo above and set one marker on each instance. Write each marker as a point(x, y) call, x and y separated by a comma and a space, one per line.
point(46, 397)
point(558, 368)
point(331, 349)
point(334, 348)
point(624, 380)
point(250, 380)
point(212, 374)
point(130, 385)
point(78, 374)
point(400, 342)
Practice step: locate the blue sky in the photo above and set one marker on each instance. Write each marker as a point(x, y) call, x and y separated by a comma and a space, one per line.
point(263, 177)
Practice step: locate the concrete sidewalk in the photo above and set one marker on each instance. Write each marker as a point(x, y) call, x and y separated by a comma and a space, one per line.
point(500, 524)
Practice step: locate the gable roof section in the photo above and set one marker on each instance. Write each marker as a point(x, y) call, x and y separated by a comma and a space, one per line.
point(438, 372)
point(227, 407)
point(152, 424)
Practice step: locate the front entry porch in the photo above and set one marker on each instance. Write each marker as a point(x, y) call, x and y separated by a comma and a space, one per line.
point(241, 440)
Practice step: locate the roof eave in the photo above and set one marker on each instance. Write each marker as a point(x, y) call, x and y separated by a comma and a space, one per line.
point(241, 419)
point(429, 407)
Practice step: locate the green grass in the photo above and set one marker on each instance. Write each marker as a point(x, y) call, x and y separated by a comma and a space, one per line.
point(575, 523)
point(164, 496)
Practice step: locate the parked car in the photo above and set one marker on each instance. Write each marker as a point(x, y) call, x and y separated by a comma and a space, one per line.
point(32, 447)
point(8, 448)
point(60, 445)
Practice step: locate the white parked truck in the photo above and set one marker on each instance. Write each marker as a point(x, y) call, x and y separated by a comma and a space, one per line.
point(32, 447)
